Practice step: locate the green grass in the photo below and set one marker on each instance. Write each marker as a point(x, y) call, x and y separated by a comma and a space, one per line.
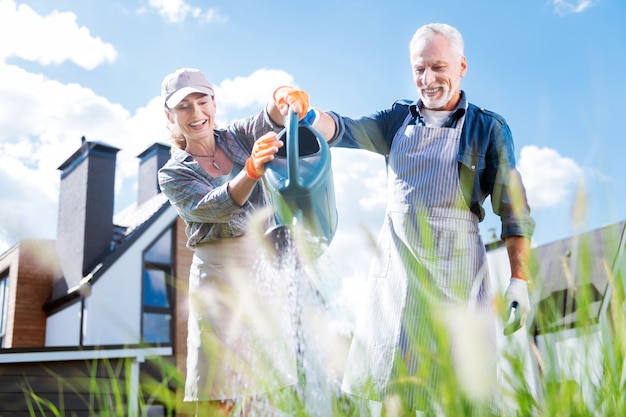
point(587, 378)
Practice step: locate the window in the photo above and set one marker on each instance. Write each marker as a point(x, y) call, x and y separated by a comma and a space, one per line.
point(157, 410)
point(4, 308)
point(158, 291)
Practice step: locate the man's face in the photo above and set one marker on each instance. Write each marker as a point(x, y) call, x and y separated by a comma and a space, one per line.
point(437, 74)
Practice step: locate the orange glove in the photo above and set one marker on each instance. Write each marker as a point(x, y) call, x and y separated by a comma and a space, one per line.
point(262, 152)
point(298, 100)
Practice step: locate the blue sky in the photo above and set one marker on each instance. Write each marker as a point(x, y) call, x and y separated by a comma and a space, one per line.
point(553, 69)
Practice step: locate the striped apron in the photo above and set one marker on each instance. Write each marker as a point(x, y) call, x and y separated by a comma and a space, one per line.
point(240, 341)
point(429, 257)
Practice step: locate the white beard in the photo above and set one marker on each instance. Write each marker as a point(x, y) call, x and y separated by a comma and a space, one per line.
point(437, 103)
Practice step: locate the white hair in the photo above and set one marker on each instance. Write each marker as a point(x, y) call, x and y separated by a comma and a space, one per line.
point(427, 32)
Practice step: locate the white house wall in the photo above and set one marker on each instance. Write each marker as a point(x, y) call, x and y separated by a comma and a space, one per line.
point(63, 327)
point(575, 355)
point(499, 268)
point(113, 311)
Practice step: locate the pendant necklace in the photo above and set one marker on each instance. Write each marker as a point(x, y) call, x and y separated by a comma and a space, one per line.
point(209, 156)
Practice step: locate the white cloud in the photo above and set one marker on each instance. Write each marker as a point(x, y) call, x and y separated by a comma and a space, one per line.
point(360, 183)
point(176, 11)
point(50, 39)
point(565, 7)
point(26, 201)
point(550, 179)
point(213, 16)
point(42, 121)
point(251, 92)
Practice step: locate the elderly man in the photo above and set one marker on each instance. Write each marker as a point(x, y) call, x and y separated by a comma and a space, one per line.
point(445, 156)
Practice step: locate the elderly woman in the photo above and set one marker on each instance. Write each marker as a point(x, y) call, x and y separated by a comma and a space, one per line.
point(236, 346)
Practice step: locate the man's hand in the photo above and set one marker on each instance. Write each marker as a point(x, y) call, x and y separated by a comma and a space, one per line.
point(517, 299)
point(287, 97)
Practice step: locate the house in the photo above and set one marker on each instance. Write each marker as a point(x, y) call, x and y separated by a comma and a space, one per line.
point(95, 320)
point(100, 303)
point(575, 280)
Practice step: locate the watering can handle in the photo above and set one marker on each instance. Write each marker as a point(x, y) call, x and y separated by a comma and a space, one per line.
point(293, 151)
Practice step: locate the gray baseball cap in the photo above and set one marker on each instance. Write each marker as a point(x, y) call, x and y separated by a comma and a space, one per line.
point(177, 85)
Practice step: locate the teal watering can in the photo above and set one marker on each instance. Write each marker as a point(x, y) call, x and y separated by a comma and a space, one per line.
point(300, 182)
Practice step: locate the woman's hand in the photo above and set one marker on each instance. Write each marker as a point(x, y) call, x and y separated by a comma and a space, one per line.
point(263, 152)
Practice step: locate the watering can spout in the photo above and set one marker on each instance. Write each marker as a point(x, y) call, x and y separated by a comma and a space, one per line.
point(300, 183)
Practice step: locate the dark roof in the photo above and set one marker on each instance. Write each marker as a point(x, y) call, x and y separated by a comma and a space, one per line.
point(154, 148)
point(133, 216)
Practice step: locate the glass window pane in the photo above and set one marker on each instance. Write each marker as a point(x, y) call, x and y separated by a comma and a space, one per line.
point(153, 410)
point(4, 298)
point(156, 328)
point(155, 288)
point(161, 251)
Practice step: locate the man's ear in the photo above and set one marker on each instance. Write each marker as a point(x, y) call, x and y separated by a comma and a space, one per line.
point(463, 67)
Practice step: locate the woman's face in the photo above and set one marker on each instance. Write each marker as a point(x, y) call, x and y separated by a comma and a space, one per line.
point(194, 115)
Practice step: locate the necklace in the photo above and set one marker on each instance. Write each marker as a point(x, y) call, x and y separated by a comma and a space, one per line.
point(209, 156)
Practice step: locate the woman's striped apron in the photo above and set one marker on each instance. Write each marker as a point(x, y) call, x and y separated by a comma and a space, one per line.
point(240, 341)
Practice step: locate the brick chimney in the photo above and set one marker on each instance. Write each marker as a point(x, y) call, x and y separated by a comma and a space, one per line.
point(150, 161)
point(85, 224)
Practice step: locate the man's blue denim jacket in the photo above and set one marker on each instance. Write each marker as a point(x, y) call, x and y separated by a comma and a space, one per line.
point(486, 157)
